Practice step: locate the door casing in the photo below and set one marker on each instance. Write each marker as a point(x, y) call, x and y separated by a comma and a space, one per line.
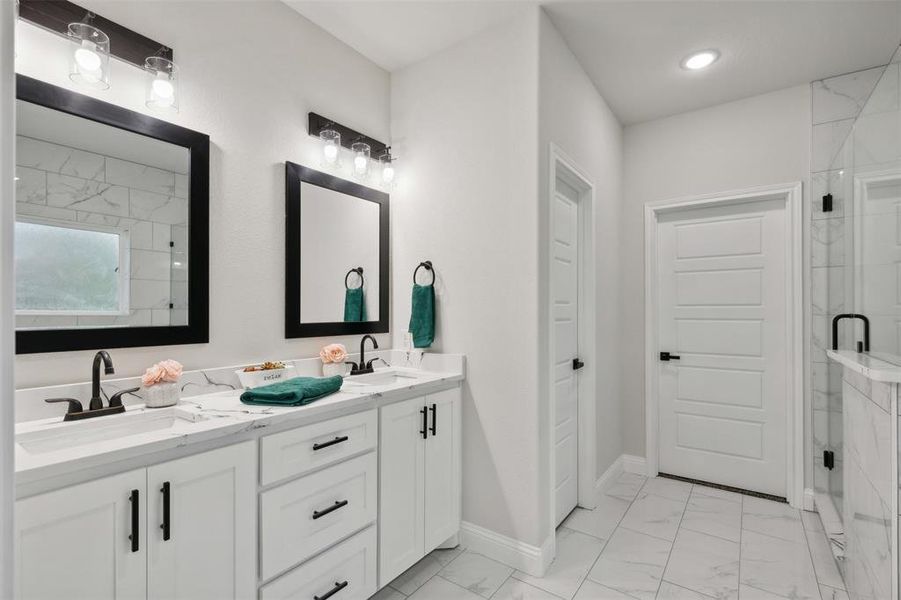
point(792, 195)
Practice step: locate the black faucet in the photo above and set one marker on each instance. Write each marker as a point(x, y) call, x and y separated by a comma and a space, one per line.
point(96, 400)
point(364, 367)
point(865, 347)
point(76, 411)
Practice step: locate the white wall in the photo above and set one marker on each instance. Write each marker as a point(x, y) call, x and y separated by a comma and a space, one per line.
point(574, 117)
point(464, 129)
point(7, 295)
point(250, 72)
point(756, 141)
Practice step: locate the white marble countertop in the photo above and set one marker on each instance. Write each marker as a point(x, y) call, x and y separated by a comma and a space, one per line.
point(215, 415)
point(872, 366)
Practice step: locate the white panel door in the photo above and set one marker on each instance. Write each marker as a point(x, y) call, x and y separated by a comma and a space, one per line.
point(401, 487)
point(442, 468)
point(722, 310)
point(565, 293)
point(211, 550)
point(74, 542)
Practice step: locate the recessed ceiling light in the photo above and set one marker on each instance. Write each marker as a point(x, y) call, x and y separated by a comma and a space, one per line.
point(700, 60)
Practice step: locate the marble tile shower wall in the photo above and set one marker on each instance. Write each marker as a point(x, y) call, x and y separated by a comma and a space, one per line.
point(66, 184)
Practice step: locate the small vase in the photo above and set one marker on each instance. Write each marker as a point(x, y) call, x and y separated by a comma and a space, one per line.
point(332, 369)
point(161, 394)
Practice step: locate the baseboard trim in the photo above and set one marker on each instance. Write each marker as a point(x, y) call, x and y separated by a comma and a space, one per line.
point(527, 558)
point(635, 464)
point(609, 476)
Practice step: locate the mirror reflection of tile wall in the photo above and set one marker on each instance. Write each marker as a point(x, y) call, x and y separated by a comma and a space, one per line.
point(57, 183)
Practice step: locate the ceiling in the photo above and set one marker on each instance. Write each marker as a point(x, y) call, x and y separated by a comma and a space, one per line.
point(631, 49)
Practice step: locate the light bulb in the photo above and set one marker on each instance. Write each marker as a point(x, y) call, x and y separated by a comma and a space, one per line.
point(330, 151)
point(700, 60)
point(86, 57)
point(163, 88)
point(360, 164)
point(388, 174)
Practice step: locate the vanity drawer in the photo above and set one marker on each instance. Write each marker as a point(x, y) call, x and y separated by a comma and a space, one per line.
point(352, 561)
point(307, 515)
point(305, 449)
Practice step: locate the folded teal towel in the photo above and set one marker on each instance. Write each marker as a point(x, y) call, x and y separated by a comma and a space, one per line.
point(293, 392)
point(422, 315)
point(354, 305)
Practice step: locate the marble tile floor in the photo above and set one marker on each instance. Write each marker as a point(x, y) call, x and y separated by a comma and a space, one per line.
point(651, 539)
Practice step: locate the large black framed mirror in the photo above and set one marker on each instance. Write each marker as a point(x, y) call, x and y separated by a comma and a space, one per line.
point(112, 225)
point(336, 255)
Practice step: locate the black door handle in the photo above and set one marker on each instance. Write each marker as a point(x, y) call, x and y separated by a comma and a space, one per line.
point(166, 514)
point(434, 428)
point(577, 364)
point(135, 523)
point(666, 356)
point(338, 587)
point(337, 440)
point(321, 513)
point(424, 432)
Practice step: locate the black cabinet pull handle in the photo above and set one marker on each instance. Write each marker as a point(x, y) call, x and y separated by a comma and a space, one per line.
point(666, 356)
point(321, 513)
point(135, 523)
point(424, 432)
point(338, 587)
point(434, 427)
point(337, 440)
point(166, 514)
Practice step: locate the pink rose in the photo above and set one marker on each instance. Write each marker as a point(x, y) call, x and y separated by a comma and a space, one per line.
point(333, 353)
point(166, 371)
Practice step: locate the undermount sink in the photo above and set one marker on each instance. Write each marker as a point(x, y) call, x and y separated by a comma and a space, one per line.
point(383, 378)
point(62, 435)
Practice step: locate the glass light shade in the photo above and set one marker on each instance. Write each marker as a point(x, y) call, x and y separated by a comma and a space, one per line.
point(389, 174)
point(89, 63)
point(361, 152)
point(331, 147)
point(162, 84)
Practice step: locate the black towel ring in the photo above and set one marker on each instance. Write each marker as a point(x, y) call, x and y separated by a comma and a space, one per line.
point(428, 267)
point(358, 271)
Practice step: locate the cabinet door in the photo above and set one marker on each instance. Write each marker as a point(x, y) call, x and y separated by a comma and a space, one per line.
point(74, 542)
point(211, 550)
point(401, 487)
point(442, 468)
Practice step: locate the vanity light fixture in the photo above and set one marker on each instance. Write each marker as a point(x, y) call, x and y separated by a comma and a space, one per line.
point(361, 152)
point(388, 172)
point(331, 146)
point(89, 65)
point(162, 83)
point(700, 60)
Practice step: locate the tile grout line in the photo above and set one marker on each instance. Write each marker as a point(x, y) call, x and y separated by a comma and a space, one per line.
point(673, 546)
point(741, 536)
point(813, 567)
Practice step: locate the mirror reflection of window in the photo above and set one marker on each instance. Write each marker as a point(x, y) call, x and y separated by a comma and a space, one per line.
point(101, 224)
point(338, 233)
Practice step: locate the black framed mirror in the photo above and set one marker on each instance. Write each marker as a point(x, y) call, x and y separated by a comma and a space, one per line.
point(336, 255)
point(112, 225)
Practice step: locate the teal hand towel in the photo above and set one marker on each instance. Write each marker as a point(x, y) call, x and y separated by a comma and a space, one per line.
point(354, 305)
point(422, 315)
point(293, 392)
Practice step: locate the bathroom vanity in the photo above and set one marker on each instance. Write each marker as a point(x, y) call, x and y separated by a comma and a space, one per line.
point(868, 543)
point(216, 499)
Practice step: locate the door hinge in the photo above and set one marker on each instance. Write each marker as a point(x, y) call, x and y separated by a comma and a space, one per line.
point(577, 364)
point(829, 459)
point(827, 203)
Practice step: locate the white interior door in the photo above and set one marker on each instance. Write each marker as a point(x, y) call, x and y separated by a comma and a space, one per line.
point(722, 310)
point(565, 294)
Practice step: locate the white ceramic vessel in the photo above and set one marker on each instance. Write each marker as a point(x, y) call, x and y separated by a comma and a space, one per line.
point(161, 394)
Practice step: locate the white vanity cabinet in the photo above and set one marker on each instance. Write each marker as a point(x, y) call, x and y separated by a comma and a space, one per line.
point(80, 542)
point(419, 479)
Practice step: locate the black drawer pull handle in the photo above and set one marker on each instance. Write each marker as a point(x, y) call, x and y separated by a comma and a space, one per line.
point(135, 523)
point(166, 514)
point(337, 440)
point(434, 428)
point(424, 432)
point(321, 513)
point(338, 587)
